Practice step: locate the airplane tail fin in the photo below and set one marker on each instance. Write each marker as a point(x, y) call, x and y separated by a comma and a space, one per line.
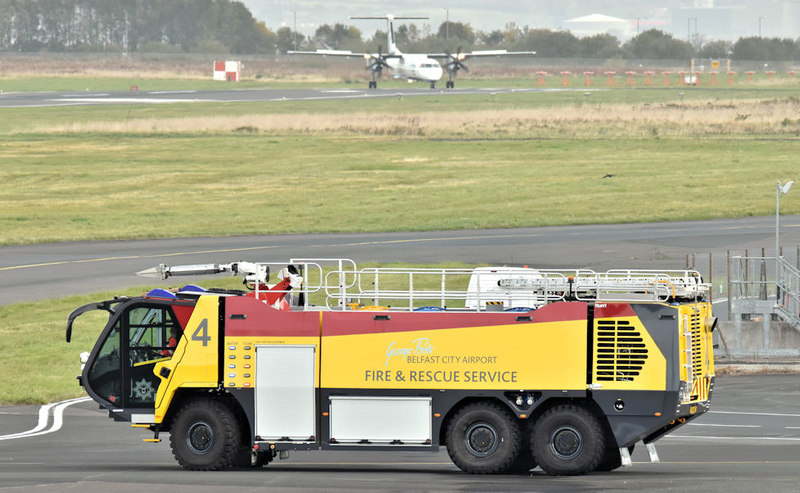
point(390, 37)
point(391, 46)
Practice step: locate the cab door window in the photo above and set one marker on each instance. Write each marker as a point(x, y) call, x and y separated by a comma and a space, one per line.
point(152, 334)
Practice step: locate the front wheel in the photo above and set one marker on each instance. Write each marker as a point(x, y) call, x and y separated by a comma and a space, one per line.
point(568, 440)
point(205, 436)
point(482, 438)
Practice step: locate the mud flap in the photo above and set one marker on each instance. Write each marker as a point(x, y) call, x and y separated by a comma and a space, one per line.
point(625, 456)
point(651, 449)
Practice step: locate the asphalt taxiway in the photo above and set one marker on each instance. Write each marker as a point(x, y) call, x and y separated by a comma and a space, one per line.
point(34, 272)
point(85, 98)
point(750, 441)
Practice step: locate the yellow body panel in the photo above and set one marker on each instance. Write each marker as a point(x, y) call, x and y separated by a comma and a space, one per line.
point(548, 355)
point(194, 363)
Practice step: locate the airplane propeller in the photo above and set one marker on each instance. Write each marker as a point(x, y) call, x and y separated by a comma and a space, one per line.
point(454, 62)
point(375, 64)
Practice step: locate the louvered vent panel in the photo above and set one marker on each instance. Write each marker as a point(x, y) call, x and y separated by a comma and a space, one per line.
point(697, 346)
point(620, 352)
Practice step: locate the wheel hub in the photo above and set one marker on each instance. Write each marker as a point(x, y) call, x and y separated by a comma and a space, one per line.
point(481, 439)
point(200, 438)
point(566, 442)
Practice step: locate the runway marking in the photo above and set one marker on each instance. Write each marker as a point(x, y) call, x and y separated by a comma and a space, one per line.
point(136, 100)
point(705, 437)
point(755, 414)
point(265, 247)
point(416, 240)
point(725, 426)
point(44, 415)
point(133, 257)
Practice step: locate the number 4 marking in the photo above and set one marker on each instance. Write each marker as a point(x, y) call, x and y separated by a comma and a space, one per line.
point(201, 334)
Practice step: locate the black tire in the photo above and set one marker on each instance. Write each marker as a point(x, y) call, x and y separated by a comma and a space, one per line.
point(205, 436)
point(568, 440)
point(482, 438)
point(525, 460)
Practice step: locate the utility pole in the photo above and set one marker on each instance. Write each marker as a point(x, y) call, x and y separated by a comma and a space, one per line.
point(780, 190)
point(759, 25)
point(447, 24)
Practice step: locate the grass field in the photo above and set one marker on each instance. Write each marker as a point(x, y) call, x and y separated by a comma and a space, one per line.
point(432, 162)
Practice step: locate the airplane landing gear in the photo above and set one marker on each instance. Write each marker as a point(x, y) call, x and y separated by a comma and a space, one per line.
point(373, 84)
point(451, 84)
point(433, 85)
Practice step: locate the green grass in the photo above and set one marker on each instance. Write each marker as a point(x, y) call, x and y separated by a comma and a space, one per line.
point(84, 187)
point(121, 172)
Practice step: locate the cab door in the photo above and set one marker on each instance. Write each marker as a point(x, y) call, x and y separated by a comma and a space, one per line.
point(149, 329)
point(120, 370)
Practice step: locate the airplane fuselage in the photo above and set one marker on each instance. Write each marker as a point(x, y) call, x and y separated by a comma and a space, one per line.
point(415, 68)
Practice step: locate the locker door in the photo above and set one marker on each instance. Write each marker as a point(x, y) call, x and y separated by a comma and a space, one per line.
point(285, 402)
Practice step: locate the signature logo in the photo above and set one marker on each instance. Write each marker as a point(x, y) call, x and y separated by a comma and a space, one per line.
point(419, 347)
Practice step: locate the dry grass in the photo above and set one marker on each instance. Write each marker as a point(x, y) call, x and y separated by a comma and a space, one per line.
point(748, 117)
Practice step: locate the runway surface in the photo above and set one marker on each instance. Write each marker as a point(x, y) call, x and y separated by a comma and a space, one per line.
point(78, 98)
point(748, 442)
point(35, 272)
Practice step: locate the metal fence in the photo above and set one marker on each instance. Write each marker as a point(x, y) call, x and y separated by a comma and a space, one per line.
point(756, 295)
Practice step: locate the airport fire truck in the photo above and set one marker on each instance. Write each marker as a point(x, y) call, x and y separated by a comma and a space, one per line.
point(508, 368)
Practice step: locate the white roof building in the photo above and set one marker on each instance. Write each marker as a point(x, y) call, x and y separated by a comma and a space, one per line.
point(592, 24)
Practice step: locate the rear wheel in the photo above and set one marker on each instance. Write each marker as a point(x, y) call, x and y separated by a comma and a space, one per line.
point(205, 436)
point(482, 438)
point(568, 440)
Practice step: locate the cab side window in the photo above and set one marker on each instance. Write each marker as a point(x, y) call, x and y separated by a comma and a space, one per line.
point(152, 333)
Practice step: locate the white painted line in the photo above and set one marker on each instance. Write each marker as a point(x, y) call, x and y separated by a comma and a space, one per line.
point(755, 414)
point(134, 100)
point(724, 426)
point(789, 439)
point(44, 412)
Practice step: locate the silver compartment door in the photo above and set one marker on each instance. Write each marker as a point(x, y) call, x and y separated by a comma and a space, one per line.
point(285, 403)
point(381, 420)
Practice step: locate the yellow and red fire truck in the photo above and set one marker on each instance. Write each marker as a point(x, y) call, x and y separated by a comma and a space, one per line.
point(508, 368)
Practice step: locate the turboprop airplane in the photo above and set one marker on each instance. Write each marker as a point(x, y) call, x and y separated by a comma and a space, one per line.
point(423, 67)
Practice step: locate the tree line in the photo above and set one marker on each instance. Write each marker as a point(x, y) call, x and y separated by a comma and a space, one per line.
point(131, 26)
point(227, 26)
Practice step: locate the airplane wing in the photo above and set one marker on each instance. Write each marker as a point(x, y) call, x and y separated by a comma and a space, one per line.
point(344, 53)
point(480, 53)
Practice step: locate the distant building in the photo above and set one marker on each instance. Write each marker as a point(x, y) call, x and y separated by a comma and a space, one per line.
point(592, 24)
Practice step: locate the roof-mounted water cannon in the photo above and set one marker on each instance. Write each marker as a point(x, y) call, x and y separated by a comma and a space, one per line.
point(252, 273)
